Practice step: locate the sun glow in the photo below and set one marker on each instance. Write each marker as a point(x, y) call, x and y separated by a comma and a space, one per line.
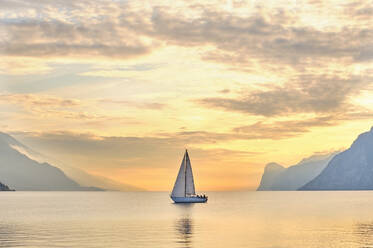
point(120, 89)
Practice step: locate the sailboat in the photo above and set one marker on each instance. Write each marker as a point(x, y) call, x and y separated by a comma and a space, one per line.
point(184, 190)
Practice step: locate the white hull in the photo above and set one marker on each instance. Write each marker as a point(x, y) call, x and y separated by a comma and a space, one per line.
point(190, 199)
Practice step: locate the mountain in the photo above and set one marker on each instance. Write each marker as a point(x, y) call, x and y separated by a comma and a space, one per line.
point(20, 172)
point(4, 187)
point(349, 170)
point(84, 178)
point(81, 177)
point(277, 177)
point(271, 172)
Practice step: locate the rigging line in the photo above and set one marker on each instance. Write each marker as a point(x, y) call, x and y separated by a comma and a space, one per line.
point(185, 171)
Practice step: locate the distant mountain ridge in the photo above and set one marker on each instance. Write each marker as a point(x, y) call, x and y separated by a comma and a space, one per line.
point(4, 187)
point(271, 172)
point(20, 172)
point(349, 170)
point(278, 178)
point(83, 178)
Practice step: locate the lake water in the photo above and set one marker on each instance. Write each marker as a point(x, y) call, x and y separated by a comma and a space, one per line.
point(148, 219)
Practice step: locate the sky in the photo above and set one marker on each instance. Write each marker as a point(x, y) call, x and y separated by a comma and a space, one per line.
point(119, 89)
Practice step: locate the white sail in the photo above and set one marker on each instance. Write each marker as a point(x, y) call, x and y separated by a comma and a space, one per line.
point(179, 187)
point(189, 180)
point(184, 190)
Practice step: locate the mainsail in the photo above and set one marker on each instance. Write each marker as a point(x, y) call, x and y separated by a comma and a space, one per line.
point(184, 185)
point(189, 180)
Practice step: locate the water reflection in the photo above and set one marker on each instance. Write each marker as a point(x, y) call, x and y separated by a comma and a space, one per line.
point(249, 219)
point(364, 231)
point(184, 225)
point(184, 230)
point(7, 233)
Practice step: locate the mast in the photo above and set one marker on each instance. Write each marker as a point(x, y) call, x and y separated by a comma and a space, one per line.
point(185, 175)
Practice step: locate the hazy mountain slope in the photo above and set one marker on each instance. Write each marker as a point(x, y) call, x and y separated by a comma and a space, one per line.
point(81, 177)
point(270, 174)
point(86, 179)
point(4, 187)
point(293, 177)
point(349, 170)
point(20, 172)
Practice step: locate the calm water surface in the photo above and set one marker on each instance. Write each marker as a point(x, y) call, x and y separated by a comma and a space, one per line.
point(229, 219)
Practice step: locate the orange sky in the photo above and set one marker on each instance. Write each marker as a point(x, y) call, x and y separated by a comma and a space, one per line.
point(119, 89)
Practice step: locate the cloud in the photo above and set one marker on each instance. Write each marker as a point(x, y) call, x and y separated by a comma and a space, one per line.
point(305, 94)
point(22, 66)
point(262, 36)
point(140, 105)
point(285, 129)
point(47, 103)
point(56, 110)
point(32, 100)
point(67, 110)
point(359, 10)
point(123, 30)
point(224, 91)
point(127, 151)
point(68, 29)
point(40, 38)
point(271, 36)
point(200, 137)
